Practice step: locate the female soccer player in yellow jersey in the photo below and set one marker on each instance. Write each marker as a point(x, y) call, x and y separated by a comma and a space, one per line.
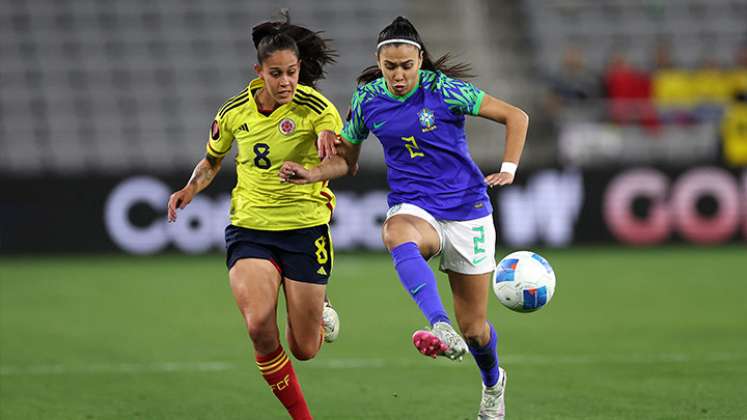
point(279, 234)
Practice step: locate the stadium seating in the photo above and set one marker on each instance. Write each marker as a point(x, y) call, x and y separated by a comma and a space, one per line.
point(91, 86)
point(694, 27)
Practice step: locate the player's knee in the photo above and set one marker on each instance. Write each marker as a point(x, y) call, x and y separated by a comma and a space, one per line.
point(396, 232)
point(473, 334)
point(263, 334)
point(472, 340)
point(387, 236)
point(305, 351)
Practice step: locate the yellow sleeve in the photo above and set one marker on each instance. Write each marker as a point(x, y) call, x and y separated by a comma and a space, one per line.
point(326, 116)
point(220, 138)
point(329, 119)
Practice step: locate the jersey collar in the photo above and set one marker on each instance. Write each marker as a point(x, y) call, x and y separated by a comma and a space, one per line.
point(256, 84)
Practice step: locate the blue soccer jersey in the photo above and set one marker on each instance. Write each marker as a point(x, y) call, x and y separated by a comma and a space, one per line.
point(425, 146)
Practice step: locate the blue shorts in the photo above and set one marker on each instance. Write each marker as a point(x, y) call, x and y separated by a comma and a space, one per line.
point(301, 254)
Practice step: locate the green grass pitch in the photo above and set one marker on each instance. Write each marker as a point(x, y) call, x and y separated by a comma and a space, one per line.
point(630, 334)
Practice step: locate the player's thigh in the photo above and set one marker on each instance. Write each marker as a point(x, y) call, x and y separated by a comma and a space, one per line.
point(252, 269)
point(470, 294)
point(306, 259)
point(304, 304)
point(469, 259)
point(409, 223)
point(255, 283)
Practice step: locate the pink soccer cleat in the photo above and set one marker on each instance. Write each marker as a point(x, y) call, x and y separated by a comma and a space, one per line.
point(428, 344)
point(442, 340)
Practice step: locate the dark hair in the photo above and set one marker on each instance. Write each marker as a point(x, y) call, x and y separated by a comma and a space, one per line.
point(309, 47)
point(401, 28)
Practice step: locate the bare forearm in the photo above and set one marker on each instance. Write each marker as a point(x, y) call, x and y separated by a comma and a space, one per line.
point(517, 124)
point(516, 121)
point(204, 173)
point(331, 168)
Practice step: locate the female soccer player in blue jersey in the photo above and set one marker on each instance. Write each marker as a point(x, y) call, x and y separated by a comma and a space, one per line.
point(279, 234)
point(438, 201)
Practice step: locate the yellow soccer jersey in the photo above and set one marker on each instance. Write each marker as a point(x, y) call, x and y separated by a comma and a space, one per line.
point(259, 200)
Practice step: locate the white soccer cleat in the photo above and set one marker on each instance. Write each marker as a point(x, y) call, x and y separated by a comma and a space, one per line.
point(456, 347)
point(330, 323)
point(441, 340)
point(492, 404)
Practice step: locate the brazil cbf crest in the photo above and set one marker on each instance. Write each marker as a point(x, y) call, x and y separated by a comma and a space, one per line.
point(427, 120)
point(287, 126)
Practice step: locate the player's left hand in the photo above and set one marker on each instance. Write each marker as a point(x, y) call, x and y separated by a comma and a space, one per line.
point(295, 173)
point(325, 144)
point(500, 179)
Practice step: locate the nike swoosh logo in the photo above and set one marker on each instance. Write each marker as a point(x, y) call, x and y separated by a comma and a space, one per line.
point(415, 290)
point(378, 124)
point(476, 261)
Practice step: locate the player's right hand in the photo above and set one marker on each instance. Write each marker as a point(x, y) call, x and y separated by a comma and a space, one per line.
point(179, 200)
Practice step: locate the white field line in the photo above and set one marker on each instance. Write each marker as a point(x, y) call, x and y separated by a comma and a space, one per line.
point(371, 363)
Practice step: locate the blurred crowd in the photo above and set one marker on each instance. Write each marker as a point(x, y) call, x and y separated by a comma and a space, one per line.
point(662, 94)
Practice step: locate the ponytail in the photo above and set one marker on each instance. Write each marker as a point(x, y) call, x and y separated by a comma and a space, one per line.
point(404, 31)
point(310, 48)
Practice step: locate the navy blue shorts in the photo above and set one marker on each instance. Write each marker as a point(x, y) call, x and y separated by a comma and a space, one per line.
point(301, 254)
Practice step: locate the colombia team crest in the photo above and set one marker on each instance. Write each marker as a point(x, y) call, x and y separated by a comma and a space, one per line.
point(287, 126)
point(427, 120)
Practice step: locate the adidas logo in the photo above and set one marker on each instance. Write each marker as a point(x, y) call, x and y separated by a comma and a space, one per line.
point(321, 271)
point(244, 127)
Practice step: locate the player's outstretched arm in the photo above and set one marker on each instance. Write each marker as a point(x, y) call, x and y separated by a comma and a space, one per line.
point(517, 124)
point(344, 162)
point(202, 176)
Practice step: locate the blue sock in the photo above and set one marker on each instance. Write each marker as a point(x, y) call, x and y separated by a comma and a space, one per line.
point(419, 281)
point(487, 359)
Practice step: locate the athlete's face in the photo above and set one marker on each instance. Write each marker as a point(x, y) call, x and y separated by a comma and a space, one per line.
point(280, 73)
point(399, 63)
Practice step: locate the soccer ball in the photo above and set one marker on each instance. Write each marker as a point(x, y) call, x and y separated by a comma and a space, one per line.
point(524, 281)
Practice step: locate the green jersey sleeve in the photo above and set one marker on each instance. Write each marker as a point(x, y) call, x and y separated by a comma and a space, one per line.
point(355, 130)
point(460, 96)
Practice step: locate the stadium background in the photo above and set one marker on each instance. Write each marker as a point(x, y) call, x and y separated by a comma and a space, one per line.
point(633, 184)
